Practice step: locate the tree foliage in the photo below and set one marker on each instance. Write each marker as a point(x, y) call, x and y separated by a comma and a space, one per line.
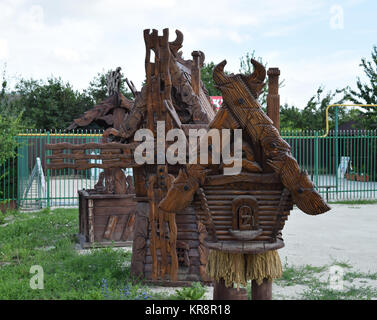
point(366, 93)
point(51, 104)
point(10, 123)
point(207, 78)
point(97, 88)
point(313, 116)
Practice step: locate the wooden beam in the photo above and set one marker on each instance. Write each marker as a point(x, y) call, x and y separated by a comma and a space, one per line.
point(261, 292)
point(110, 228)
point(273, 98)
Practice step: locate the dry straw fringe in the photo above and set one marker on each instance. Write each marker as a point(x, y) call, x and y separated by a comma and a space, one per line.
point(238, 268)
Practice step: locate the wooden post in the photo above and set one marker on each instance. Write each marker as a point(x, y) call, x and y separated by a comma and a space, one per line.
point(221, 292)
point(273, 98)
point(91, 221)
point(195, 72)
point(262, 292)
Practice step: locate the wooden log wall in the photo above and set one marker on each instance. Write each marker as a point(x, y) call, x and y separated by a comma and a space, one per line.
point(189, 237)
point(220, 199)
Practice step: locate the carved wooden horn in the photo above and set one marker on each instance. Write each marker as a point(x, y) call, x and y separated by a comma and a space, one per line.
point(219, 76)
point(259, 73)
point(255, 80)
point(177, 43)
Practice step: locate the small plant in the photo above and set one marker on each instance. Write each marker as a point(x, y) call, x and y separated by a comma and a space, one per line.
point(195, 292)
point(128, 292)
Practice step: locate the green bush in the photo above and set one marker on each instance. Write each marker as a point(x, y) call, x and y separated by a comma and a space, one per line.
point(195, 292)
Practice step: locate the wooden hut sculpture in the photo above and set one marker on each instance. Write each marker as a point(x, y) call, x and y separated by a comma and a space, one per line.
point(244, 214)
point(192, 222)
point(107, 212)
point(167, 247)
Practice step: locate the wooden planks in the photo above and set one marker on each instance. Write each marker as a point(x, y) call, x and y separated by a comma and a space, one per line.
point(102, 220)
point(110, 227)
point(270, 217)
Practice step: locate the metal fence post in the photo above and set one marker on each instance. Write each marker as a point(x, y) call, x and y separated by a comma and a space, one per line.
point(336, 150)
point(48, 174)
point(316, 157)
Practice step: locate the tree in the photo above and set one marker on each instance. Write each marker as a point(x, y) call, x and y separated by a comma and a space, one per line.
point(207, 79)
point(313, 116)
point(366, 93)
point(10, 126)
point(289, 117)
point(97, 89)
point(10, 123)
point(50, 104)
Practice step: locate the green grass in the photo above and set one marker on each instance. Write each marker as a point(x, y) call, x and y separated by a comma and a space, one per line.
point(102, 274)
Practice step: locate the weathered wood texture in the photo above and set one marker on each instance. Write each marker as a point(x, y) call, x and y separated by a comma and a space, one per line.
point(273, 98)
point(221, 292)
point(262, 291)
point(273, 210)
point(106, 218)
point(191, 252)
point(240, 97)
point(113, 155)
point(139, 246)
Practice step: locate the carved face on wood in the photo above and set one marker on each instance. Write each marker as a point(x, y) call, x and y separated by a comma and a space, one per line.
point(274, 148)
point(303, 190)
point(180, 193)
point(306, 197)
point(245, 213)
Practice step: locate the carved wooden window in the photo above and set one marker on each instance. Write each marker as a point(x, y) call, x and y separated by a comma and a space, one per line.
point(245, 213)
point(183, 254)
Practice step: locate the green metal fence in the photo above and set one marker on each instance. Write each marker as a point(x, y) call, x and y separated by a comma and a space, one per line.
point(342, 164)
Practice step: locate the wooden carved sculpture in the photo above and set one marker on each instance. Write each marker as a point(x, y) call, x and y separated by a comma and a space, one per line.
point(107, 212)
point(239, 94)
point(166, 246)
point(192, 222)
point(245, 213)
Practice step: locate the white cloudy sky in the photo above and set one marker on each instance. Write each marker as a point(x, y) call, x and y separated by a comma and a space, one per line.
point(312, 42)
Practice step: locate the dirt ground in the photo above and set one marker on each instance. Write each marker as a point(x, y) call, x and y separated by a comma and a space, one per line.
point(346, 233)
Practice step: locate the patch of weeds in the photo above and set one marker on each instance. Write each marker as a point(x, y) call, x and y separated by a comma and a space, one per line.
point(353, 275)
point(342, 264)
point(195, 292)
point(161, 295)
point(321, 291)
point(354, 202)
point(126, 292)
point(294, 275)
